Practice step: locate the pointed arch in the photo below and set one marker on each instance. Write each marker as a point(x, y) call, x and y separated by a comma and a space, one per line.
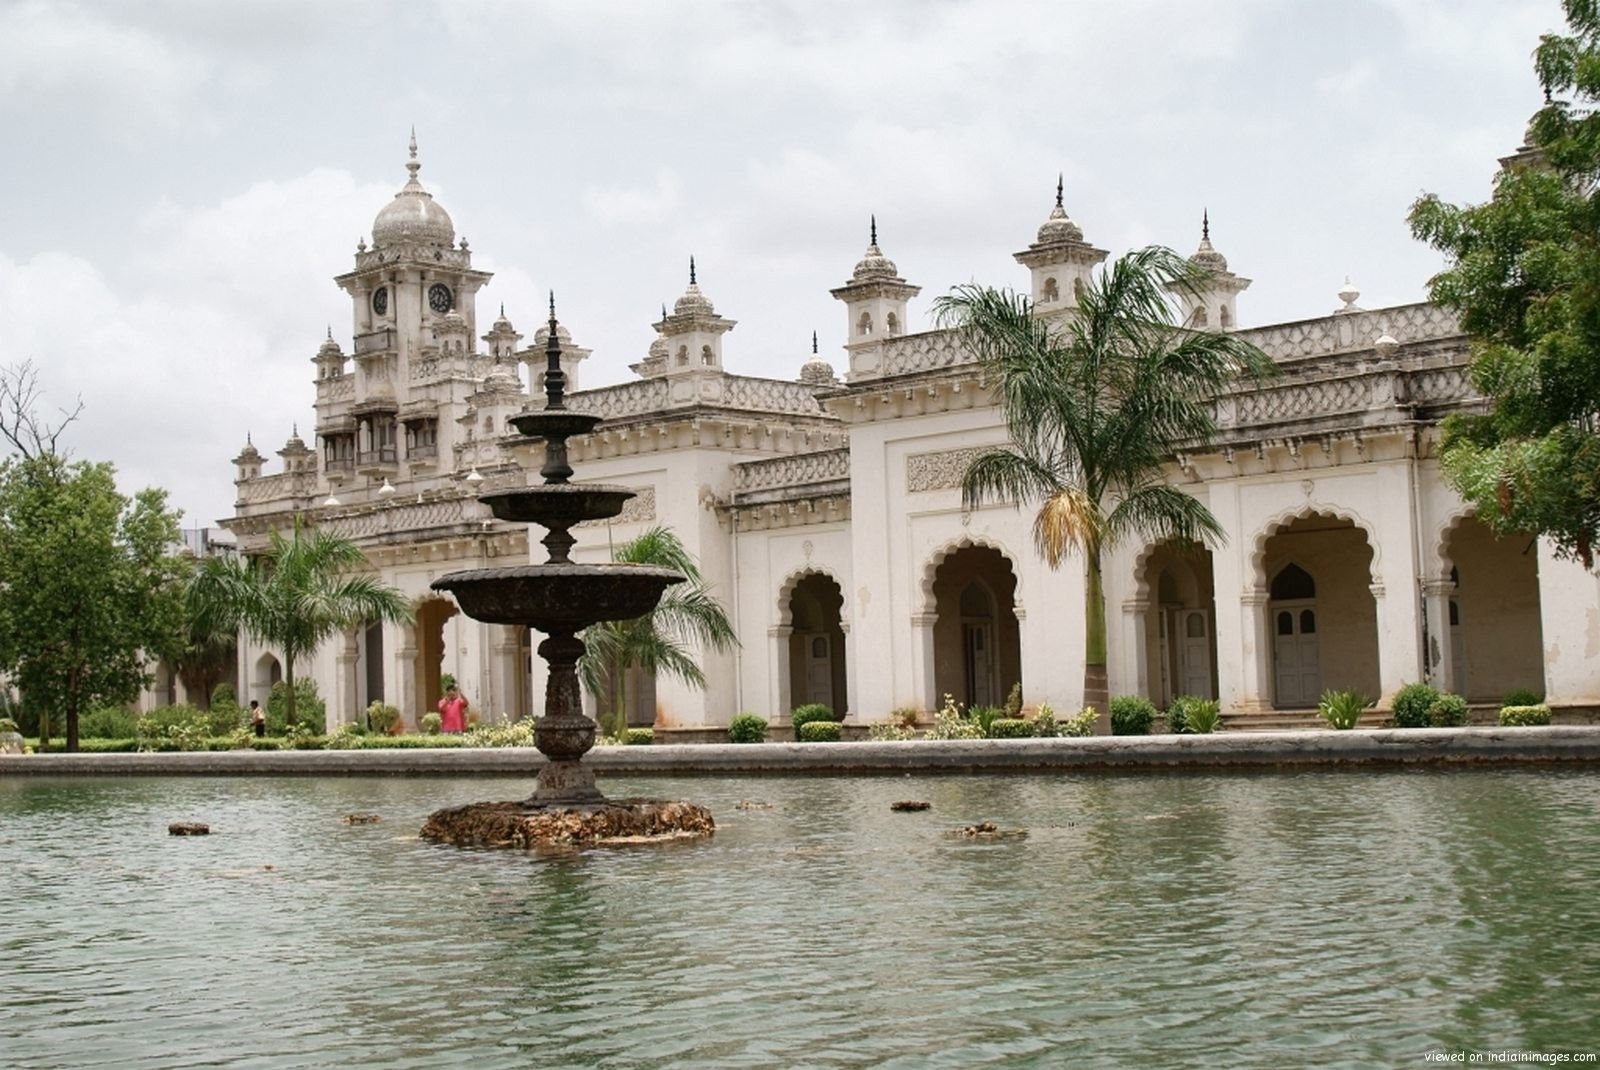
point(1274, 525)
point(962, 542)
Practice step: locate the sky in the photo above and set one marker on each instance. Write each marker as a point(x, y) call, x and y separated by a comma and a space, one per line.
point(181, 179)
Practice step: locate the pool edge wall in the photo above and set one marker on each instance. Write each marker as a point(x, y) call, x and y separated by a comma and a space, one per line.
point(1263, 750)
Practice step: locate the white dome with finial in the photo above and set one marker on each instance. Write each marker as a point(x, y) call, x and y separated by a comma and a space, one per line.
point(693, 301)
point(1207, 256)
point(816, 371)
point(413, 215)
point(873, 264)
point(1058, 227)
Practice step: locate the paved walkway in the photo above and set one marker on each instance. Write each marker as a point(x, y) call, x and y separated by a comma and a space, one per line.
point(1393, 746)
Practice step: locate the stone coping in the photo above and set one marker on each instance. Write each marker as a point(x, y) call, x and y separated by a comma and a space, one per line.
point(1263, 750)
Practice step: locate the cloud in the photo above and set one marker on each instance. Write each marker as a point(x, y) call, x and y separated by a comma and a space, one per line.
point(67, 56)
point(613, 206)
point(206, 337)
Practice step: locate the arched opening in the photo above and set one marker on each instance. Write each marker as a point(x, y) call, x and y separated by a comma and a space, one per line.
point(431, 617)
point(977, 645)
point(817, 669)
point(683, 356)
point(1198, 317)
point(1497, 640)
point(267, 672)
point(707, 358)
point(1322, 620)
point(1224, 317)
point(1050, 292)
point(864, 324)
point(1180, 634)
point(891, 324)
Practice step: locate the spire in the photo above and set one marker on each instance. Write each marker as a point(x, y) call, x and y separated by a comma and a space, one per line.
point(813, 343)
point(1060, 188)
point(294, 429)
point(874, 239)
point(330, 332)
point(663, 311)
point(502, 310)
point(691, 269)
point(555, 379)
point(413, 165)
point(552, 311)
point(1205, 224)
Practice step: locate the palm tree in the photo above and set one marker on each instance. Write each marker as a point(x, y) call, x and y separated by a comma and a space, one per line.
point(209, 648)
point(294, 596)
point(657, 641)
point(1096, 403)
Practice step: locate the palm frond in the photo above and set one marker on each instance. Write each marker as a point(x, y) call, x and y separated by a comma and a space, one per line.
point(1158, 512)
point(1068, 520)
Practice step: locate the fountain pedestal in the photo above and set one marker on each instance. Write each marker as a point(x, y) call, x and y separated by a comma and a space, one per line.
point(560, 598)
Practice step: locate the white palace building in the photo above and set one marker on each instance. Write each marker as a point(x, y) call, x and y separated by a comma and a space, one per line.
point(827, 515)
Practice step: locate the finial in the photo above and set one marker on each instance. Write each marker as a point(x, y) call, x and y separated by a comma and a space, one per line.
point(813, 343)
point(1205, 224)
point(874, 239)
point(294, 429)
point(413, 141)
point(663, 312)
point(552, 311)
point(330, 332)
point(247, 440)
point(502, 310)
point(1060, 183)
point(691, 269)
point(555, 380)
point(413, 165)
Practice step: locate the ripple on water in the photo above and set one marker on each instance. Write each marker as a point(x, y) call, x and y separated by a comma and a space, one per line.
point(1328, 919)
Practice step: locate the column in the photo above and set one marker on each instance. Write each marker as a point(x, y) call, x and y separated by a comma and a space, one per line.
point(855, 715)
point(1255, 682)
point(778, 672)
point(1135, 647)
point(403, 695)
point(1439, 655)
point(922, 658)
point(1399, 639)
point(505, 654)
point(1569, 616)
point(343, 700)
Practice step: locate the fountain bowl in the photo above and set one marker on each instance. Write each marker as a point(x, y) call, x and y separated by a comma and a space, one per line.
point(558, 598)
point(558, 503)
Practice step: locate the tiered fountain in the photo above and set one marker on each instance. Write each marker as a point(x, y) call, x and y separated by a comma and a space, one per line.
point(560, 598)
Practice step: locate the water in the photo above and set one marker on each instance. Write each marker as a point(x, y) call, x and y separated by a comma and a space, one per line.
point(1317, 919)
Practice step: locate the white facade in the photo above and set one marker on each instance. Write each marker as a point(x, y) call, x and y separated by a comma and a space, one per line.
point(827, 514)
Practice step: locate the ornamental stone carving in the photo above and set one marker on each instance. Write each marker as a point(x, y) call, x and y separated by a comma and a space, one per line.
point(638, 509)
point(941, 470)
point(797, 470)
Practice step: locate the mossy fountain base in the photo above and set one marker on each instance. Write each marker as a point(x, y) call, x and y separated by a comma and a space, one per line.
point(560, 598)
point(528, 825)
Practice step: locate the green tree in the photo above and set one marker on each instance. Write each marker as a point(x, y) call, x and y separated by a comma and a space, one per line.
point(205, 656)
point(90, 589)
point(1524, 274)
point(1096, 403)
point(296, 595)
point(659, 641)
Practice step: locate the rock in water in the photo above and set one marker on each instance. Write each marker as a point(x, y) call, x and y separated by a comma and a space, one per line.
point(909, 805)
point(188, 828)
point(361, 819)
point(527, 825)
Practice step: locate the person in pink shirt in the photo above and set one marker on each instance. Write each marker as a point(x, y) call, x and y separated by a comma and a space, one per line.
point(453, 711)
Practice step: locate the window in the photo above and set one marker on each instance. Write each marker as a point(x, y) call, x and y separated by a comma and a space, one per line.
point(1224, 317)
point(864, 324)
point(893, 325)
point(1292, 583)
point(1308, 622)
point(1285, 623)
point(1051, 291)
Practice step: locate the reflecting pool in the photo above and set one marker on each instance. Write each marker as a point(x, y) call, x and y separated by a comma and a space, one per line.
point(1318, 919)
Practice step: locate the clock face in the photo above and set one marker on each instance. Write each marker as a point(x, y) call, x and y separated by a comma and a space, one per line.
point(440, 298)
point(380, 301)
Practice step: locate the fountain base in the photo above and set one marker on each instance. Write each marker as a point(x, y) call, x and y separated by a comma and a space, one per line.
point(529, 824)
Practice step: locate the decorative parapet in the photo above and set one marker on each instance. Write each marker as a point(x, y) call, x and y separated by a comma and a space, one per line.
point(339, 388)
point(623, 400)
point(280, 487)
point(770, 395)
point(940, 470)
point(395, 519)
point(795, 470)
point(650, 397)
point(1353, 331)
point(928, 351)
point(639, 509)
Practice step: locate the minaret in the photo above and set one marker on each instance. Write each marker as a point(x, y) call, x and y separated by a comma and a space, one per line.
point(875, 306)
point(297, 456)
point(1212, 305)
point(816, 372)
point(329, 359)
point(1061, 261)
point(693, 332)
point(502, 338)
point(248, 464)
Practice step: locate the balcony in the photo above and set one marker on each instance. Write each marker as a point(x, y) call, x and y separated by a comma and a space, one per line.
point(381, 456)
point(423, 453)
point(339, 465)
point(374, 342)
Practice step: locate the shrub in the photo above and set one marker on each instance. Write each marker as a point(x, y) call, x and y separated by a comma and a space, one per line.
point(1521, 696)
point(890, 731)
point(1014, 702)
point(1010, 728)
point(223, 695)
point(109, 722)
point(1082, 724)
point(1044, 722)
point(382, 717)
point(984, 717)
point(1412, 703)
point(1178, 713)
point(747, 728)
point(1342, 709)
point(1448, 711)
point(949, 724)
point(1202, 716)
point(94, 746)
point(431, 723)
point(808, 713)
point(172, 728)
point(905, 716)
point(516, 734)
point(346, 738)
point(223, 718)
point(309, 709)
point(820, 732)
point(1132, 715)
point(1525, 716)
point(638, 737)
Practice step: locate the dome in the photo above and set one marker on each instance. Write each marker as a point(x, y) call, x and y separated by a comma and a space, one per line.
point(329, 348)
point(452, 321)
point(873, 264)
point(1207, 256)
point(693, 302)
point(542, 335)
point(816, 371)
point(1058, 227)
point(413, 216)
point(658, 348)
